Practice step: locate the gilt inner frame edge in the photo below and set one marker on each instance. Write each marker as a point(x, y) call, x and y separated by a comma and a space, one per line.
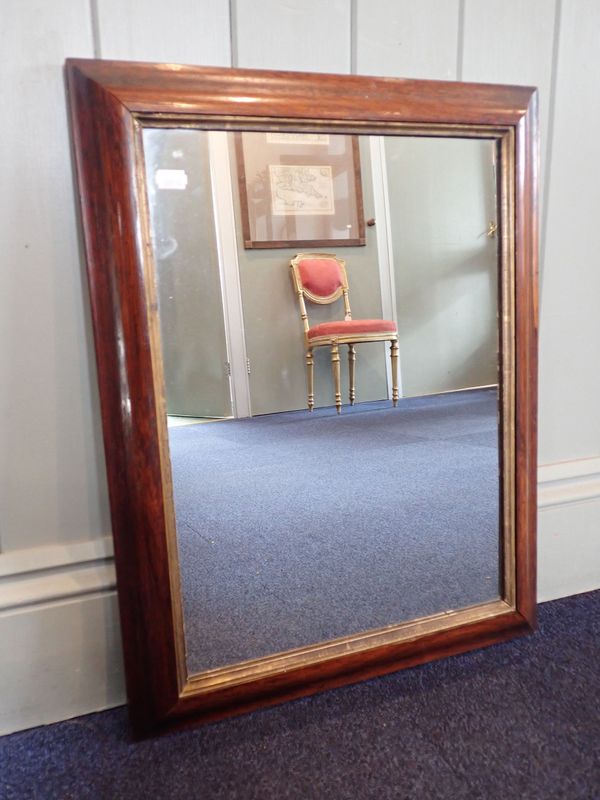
point(245, 672)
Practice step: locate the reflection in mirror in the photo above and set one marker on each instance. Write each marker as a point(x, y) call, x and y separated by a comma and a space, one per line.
point(296, 527)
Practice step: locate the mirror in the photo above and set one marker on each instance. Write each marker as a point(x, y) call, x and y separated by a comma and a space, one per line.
point(283, 539)
point(316, 352)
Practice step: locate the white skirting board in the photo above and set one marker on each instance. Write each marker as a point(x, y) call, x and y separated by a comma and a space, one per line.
point(61, 651)
point(568, 528)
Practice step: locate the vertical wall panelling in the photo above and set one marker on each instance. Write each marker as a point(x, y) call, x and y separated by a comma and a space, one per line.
point(306, 35)
point(509, 41)
point(547, 145)
point(57, 658)
point(174, 31)
point(407, 39)
point(52, 485)
point(569, 541)
point(570, 322)
point(519, 43)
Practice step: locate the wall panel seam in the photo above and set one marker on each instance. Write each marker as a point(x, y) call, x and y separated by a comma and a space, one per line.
point(549, 140)
point(460, 40)
point(233, 48)
point(353, 36)
point(95, 26)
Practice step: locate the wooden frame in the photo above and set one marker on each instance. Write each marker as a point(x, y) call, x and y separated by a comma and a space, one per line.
point(110, 102)
point(347, 163)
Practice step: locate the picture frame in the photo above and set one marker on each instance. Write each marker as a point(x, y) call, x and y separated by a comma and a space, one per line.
point(299, 189)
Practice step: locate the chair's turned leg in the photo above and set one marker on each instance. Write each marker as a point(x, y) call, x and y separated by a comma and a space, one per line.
point(335, 368)
point(351, 364)
point(394, 360)
point(310, 362)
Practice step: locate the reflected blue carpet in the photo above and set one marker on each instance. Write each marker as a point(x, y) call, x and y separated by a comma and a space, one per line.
point(295, 528)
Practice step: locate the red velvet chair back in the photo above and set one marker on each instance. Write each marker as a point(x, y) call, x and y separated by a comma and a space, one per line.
point(321, 277)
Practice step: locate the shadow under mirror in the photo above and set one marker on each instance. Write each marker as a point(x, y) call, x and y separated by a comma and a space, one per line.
point(296, 526)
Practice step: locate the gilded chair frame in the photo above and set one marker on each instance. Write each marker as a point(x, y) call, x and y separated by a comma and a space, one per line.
point(335, 340)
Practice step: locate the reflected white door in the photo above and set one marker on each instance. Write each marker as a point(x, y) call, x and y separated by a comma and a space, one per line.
point(442, 198)
point(189, 289)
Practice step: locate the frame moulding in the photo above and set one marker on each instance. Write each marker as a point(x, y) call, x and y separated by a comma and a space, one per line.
point(110, 102)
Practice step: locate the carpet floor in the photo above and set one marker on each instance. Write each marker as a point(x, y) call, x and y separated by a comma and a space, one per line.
point(295, 528)
point(517, 720)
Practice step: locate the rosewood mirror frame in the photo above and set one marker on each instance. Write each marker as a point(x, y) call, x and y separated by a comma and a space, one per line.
point(110, 102)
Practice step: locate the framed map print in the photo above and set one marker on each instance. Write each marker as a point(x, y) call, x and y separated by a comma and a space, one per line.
point(299, 189)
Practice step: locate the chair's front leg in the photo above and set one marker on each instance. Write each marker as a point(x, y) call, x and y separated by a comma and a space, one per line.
point(394, 360)
point(310, 363)
point(335, 368)
point(351, 364)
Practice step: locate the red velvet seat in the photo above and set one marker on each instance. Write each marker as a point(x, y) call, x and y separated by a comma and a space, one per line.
point(344, 327)
point(321, 278)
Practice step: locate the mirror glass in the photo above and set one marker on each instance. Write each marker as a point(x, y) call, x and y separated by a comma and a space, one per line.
point(298, 526)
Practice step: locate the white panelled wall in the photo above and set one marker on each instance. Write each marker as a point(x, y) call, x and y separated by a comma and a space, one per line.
point(60, 652)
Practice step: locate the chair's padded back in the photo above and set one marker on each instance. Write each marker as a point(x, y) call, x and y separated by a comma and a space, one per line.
point(322, 277)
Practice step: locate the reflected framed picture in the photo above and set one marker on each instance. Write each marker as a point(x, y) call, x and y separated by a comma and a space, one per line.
point(300, 189)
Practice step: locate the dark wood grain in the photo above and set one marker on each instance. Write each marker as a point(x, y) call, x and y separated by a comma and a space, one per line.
point(167, 88)
point(109, 213)
point(314, 678)
point(526, 311)
point(106, 100)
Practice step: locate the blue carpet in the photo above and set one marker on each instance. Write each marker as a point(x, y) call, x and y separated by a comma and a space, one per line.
point(518, 720)
point(294, 528)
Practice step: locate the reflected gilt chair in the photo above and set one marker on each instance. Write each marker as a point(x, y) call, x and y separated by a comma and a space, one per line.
point(321, 278)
